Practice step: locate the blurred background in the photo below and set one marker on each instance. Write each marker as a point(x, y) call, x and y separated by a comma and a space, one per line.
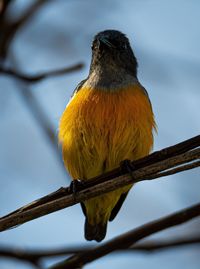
point(165, 36)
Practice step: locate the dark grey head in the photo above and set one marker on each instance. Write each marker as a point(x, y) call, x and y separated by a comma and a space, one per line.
point(112, 48)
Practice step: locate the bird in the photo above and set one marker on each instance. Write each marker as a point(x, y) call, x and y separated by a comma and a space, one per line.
point(109, 119)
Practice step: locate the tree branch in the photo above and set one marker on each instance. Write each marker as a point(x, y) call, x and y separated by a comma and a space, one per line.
point(153, 166)
point(40, 76)
point(127, 239)
point(152, 246)
point(8, 28)
point(20, 255)
point(4, 4)
point(149, 246)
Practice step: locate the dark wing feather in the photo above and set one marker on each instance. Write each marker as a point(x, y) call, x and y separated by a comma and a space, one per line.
point(83, 209)
point(79, 86)
point(118, 206)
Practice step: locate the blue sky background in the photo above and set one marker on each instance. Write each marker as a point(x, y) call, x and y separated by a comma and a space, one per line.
point(165, 36)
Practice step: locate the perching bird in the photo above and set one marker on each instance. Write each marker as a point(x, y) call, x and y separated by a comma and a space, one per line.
point(108, 119)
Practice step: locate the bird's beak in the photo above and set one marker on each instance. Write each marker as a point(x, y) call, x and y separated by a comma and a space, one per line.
point(106, 42)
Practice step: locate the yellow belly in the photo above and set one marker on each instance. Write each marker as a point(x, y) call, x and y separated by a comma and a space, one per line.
point(98, 130)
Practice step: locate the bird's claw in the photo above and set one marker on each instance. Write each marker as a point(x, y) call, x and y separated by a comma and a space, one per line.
point(127, 167)
point(76, 185)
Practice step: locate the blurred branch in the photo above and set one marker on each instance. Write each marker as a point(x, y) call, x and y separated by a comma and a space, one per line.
point(128, 239)
point(30, 12)
point(40, 76)
point(3, 7)
point(183, 156)
point(9, 28)
point(37, 255)
point(42, 118)
point(148, 246)
point(152, 246)
point(20, 255)
point(33, 104)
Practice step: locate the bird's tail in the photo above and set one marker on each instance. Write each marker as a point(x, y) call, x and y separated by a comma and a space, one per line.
point(95, 232)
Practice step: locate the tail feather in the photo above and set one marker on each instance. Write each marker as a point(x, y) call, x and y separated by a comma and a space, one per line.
point(95, 232)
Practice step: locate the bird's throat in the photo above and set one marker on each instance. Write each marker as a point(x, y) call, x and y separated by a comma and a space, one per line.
point(109, 79)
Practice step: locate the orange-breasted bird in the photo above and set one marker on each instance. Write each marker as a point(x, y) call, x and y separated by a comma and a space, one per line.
point(108, 119)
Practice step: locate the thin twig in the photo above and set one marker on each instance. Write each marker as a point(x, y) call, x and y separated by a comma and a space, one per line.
point(64, 198)
point(30, 12)
point(128, 239)
point(42, 118)
point(20, 255)
point(40, 76)
point(9, 28)
point(178, 170)
point(152, 246)
point(4, 4)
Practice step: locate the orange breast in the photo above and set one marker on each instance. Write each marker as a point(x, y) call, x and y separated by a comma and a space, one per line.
point(99, 129)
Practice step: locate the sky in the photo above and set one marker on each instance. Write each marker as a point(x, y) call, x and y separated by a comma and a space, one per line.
point(165, 37)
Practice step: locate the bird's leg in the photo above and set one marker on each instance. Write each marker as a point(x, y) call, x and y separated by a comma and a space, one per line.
point(127, 167)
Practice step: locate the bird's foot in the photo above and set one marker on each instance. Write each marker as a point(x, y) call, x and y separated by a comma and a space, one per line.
point(127, 167)
point(76, 185)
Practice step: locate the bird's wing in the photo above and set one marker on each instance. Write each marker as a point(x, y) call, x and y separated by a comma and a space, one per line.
point(83, 209)
point(78, 87)
point(118, 205)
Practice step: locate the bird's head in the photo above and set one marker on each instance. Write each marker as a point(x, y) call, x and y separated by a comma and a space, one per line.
point(112, 48)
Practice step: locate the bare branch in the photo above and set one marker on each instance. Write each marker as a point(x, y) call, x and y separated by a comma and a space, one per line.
point(152, 246)
point(8, 28)
point(39, 114)
point(151, 168)
point(40, 76)
point(30, 12)
point(20, 255)
point(4, 4)
point(148, 246)
point(128, 239)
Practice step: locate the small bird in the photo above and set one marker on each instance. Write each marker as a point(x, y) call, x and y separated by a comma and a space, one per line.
point(108, 119)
